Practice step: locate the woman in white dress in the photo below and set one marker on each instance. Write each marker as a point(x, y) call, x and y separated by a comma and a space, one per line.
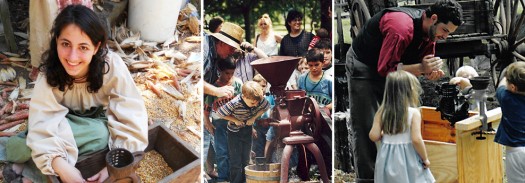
point(267, 40)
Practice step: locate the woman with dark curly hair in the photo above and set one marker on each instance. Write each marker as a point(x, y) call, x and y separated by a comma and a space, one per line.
point(84, 101)
point(296, 42)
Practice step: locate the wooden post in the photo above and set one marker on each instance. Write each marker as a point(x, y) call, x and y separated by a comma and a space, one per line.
point(8, 30)
point(479, 160)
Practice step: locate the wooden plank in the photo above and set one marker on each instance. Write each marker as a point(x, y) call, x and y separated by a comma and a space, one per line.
point(474, 121)
point(175, 151)
point(8, 30)
point(443, 161)
point(479, 160)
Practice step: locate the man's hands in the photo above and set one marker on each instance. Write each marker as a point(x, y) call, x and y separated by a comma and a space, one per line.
point(431, 63)
point(247, 46)
point(435, 75)
point(225, 91)
point(65, 171)
point(431, 67)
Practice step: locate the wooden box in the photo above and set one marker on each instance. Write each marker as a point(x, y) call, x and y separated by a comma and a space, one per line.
point(466, 160)
point(434, 128)
point(180, 156)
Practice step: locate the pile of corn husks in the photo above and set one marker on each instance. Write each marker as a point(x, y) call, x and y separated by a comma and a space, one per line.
point(14, 94)
point(168, 74)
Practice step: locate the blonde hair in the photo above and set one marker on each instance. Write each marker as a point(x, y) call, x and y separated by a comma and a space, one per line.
point(402, 90)
point(301, 62)
point(516, 75)
point(265, 18)
point(252, 90)
point(467, 72)
point(258, 78)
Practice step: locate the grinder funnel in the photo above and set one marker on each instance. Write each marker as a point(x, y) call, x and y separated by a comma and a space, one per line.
point(277, 70)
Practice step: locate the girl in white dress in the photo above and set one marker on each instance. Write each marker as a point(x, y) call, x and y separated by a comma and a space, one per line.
point(402, 156)
point(267, 40)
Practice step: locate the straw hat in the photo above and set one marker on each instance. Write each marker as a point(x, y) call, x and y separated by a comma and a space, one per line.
point(230, 34)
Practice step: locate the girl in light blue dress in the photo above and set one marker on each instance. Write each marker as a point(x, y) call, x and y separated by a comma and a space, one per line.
point(402, 156)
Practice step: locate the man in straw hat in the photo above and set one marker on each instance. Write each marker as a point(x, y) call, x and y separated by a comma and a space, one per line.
point(218, 47)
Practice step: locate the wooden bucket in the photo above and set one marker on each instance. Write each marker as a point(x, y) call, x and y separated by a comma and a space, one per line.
point(272, 175)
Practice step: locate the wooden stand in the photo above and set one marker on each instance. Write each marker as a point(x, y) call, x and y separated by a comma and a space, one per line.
point(469, 159)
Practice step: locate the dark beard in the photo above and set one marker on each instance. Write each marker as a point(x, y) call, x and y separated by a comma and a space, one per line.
point(432, 32)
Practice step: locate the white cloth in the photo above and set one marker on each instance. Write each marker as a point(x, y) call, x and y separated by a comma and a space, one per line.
point(293, 79)
point(268, 46)
point(515, 164)
point(397, 160)
point(49, 133)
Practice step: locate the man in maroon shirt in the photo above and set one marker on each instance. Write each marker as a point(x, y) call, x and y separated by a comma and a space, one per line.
point(393, 39)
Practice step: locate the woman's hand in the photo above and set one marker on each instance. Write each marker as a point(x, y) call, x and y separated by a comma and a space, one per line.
point(100, 176)
point(65, 171)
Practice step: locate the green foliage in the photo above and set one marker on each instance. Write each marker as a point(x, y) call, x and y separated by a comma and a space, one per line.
point(246, 12)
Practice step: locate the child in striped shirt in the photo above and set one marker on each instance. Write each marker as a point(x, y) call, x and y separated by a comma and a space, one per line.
point(241, 112)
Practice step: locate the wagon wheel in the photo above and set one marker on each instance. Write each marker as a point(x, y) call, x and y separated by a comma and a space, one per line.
point(508, 23)
point(359, 14)
point(312, 128)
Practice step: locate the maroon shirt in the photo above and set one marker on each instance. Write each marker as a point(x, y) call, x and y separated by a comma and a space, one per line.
point(397, 29)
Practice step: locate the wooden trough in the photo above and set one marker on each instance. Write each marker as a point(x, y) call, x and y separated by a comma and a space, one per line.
point(455, 154)
point(180, 156)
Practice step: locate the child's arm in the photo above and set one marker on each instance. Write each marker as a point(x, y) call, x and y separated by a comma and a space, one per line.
point(417, 139)
point(375, 132)
point(226, 112)
point(207, 123)
point(329, 106)
point(252, 119)
point(503, 82)
point(461, 82)
point(233, 119)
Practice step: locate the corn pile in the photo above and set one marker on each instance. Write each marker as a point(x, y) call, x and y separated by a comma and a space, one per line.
point(153, 168)
point(14, 103)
